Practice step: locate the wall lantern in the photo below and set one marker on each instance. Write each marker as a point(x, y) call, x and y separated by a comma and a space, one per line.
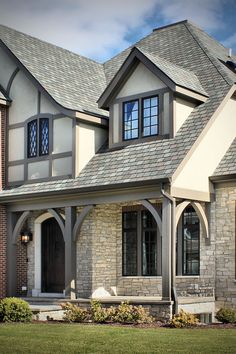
point(26, 237)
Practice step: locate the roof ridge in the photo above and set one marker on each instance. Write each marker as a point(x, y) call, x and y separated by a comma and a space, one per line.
point(170, 25)
point(51, 44)
point(206, 50)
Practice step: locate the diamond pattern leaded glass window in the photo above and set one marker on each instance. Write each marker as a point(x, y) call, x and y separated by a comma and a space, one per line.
point(38, 137)
point(43, 136)
point(32, 138)
point(150, 123)
point(130, 120)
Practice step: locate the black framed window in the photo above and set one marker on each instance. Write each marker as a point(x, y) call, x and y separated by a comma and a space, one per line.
point(150, 116)
point(32, 138)
point(43, 136)
point(149, 244)
point(140, 244)
point(130, 243)
point(191, 236)
point(38, 137)
point(144, 123)
point(188, 243)
point(131, 120)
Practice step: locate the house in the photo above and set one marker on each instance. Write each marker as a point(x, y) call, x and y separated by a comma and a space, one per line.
point(118, 180)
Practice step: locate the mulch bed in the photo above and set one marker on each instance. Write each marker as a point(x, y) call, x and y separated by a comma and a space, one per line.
point(157, 324)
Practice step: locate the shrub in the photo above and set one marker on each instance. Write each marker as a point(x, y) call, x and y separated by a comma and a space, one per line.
point(73, 313)
point(184, 319)
point(99, 313)
point(15, 310)
point(126, 313)
point(226, 315)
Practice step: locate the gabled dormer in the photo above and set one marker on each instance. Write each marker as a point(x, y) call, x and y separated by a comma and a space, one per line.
point(149, 98)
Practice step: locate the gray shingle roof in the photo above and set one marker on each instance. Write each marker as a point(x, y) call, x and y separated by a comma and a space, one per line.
point(74, 81)
point(227, 165)
point(185, 46)
point(178, 75)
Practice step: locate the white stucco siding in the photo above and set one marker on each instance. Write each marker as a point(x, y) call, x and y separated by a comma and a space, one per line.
point(209, 150)
point(46, 106)
point(88, 140)
point(38, 170)
point(182, 109)
point(16, 144)
point(16, 173)
point(62, 166)
point(62, 135)
point(24, 99)
point(142, 80)
point(7, 67)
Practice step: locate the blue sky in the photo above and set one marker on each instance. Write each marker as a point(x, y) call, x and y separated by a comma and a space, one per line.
point(99, 29)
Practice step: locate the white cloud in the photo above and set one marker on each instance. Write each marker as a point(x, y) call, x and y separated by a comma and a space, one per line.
point(98, 28)
point(89, 27)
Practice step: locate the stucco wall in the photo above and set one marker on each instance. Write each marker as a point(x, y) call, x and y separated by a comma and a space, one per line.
point(7, 67)
point(194, 175)
point(88, 141)
point(141, 80)
point(182, 109)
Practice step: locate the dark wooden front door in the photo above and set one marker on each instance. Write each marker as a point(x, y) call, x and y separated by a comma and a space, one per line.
point(53, 257)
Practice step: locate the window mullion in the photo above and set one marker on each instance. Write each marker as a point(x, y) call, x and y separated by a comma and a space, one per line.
point(139, 243)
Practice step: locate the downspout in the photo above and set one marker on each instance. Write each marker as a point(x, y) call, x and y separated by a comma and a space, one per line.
point(173, 250)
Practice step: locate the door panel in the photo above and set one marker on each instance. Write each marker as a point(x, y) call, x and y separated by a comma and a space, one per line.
point(53, 257)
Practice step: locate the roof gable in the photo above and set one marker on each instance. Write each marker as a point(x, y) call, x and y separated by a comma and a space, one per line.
point(173, 76)
point(66, 76)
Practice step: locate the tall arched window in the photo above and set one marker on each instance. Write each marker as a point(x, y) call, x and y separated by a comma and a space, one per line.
point(188, 243)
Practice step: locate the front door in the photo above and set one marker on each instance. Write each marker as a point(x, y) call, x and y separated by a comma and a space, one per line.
point(53, 257)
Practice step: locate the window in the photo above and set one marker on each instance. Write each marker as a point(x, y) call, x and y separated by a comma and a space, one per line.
point(188, 247)
point(131, 120)
point(38, 137)
point(140, 244)
point(150, 116)
point(138, 124)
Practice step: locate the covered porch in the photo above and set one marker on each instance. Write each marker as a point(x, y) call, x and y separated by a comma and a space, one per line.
point(91, 228)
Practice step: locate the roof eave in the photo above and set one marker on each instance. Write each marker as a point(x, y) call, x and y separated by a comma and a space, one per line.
point(92, 189)
point(223, 178)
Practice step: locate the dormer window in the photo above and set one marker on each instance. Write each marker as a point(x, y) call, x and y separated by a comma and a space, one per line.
point(150, 121)
point(38, 137)
point(141, 123)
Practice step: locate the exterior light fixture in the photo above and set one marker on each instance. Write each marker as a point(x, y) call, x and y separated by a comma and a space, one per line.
point(26, 237)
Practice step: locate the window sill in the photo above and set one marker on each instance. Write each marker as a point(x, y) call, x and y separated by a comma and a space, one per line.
point(187, 276)
point(141, 277)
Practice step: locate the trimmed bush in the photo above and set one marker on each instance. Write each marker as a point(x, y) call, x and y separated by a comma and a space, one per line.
point(226, 315)
point(99, 313)
point(184, 319)
point(73, 313)
point(126, 313)
point(15, 310)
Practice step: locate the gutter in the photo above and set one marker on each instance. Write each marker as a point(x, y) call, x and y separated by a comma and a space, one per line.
point(174, 296)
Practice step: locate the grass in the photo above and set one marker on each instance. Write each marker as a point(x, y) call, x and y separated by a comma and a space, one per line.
point(77, 338)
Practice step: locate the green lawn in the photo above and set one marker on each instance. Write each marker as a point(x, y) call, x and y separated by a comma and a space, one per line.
point(76, 338)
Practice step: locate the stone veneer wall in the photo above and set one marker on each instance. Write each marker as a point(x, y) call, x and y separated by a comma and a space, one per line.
point(99, 261)
point(223, 230)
